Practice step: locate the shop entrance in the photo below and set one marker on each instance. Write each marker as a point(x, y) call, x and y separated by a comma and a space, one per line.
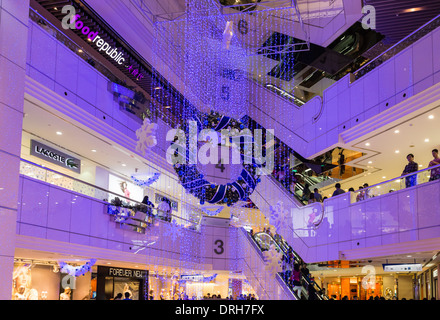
point(111, 281)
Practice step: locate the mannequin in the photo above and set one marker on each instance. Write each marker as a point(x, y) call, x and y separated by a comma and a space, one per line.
point(66, 294)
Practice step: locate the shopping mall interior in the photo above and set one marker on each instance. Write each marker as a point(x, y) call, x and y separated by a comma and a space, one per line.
point(219, 149)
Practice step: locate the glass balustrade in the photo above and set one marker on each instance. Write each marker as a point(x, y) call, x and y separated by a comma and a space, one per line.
point(399, 183)
point(130, 212)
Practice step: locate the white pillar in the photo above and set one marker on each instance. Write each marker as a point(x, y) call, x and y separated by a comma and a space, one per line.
point(14, 17)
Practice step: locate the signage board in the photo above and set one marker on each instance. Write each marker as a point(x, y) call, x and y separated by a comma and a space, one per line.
point(121, 272)
point(54, 156)
point(411, 267)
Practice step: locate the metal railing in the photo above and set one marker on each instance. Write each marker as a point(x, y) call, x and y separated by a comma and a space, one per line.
point(264, 244)
point(398, 47)
point(124, 210)
point(399, 183)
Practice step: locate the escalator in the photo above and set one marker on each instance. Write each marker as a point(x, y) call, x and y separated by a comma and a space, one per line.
point(267, 284)
point(265, 241)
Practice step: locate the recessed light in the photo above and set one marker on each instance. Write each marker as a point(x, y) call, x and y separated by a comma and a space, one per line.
point(397, 151)
point(93, 150)
point(426, 140)
point(124, 165)
point(396, 131)
point(367, 144)
point(59, 133)
point(157, 88)
point(370, 162)
point(384, 177)
point(431, 117)
point(80, 51)
point(420, 165)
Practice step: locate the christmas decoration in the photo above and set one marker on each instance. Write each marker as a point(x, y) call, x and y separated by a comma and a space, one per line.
point(194, 181)
point(146, 136)
point(76, 271)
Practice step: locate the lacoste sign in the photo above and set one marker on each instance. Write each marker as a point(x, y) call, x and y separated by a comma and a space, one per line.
point(54, 156)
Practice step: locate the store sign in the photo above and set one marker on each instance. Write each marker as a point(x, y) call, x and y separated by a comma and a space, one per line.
point(197, 277)
point(121, 272)
point(54, 156)
point(413, 267)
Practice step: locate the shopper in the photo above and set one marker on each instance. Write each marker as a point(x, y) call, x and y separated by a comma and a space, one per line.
point(306, 193)
point(317, 195)
point(360, 195)
point(127, 296)
point(412, 166)
point(147, 202)
point(164, 209)
point(366, 191)
point(311, 198)
point(435, 173)
point(118, 296)
point(338, 190)
point(296, 280)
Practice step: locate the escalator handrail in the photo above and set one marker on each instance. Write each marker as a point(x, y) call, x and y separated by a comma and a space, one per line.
point(285, 254)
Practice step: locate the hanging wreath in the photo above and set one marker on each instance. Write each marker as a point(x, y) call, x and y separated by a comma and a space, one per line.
point(195, 183)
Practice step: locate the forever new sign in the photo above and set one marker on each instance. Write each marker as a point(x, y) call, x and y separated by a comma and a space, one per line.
point(54, 156)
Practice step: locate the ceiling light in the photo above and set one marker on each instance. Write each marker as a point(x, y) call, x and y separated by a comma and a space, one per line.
point(397, 151)
point(383, 177)
point(412, 10)
point(420, 165)
point(93, 150)
point(80, 51)
point(367, 144)
point(157, 88)
point(59, 133)
point(396, 131)
point(124, 165)
point(408, 256)
point(370, 162)
point(426, 140)
point(431, 117)
point(167, 107)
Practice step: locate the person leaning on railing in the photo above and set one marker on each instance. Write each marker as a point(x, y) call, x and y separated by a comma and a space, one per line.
point(435, 173)
point(412, 166)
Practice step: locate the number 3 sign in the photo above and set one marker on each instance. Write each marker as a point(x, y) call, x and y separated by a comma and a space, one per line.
point(219, 247)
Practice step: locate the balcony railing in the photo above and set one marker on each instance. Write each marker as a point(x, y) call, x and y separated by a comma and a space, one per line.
point(399, 183)
point(129, 212)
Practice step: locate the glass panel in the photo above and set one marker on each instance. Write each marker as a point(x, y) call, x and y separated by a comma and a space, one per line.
point(399, 183)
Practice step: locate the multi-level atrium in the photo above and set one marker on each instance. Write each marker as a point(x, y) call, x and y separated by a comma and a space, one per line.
point(219, 150)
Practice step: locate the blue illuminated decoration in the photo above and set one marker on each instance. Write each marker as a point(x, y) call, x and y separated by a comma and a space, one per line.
point(76, 271)
point(147, 182)
point(194, 182)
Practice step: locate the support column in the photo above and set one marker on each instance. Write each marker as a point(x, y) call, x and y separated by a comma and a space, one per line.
point(14, 17)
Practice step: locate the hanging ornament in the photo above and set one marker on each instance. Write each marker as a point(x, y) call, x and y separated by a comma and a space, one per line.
point(146, 136)
point(76, 271)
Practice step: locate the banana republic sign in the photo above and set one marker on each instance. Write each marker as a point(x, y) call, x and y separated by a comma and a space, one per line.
point(54, 156)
